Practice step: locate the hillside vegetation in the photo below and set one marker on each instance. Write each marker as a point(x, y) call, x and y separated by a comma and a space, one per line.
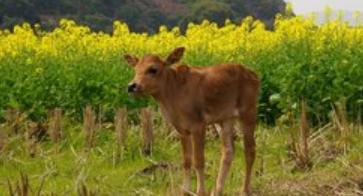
point(140, 15)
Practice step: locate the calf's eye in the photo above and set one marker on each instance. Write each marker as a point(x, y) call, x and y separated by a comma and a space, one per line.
point(152, 71)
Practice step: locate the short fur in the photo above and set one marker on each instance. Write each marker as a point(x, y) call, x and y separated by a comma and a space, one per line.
point(191, 98)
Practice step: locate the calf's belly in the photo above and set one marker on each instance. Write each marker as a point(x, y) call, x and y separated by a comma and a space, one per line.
point(223, 115)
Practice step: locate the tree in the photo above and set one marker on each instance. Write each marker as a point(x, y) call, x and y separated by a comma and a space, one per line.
point(140, 15)
point(17, 11)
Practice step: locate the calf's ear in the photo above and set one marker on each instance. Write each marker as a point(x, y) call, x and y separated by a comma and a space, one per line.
point(175, 56)
point(132, 60)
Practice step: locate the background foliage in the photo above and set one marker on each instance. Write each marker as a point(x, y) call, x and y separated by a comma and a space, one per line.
point(73, 66)
point(140, 15)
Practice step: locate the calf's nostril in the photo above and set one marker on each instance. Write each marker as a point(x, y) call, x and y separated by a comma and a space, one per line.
point(131, 88)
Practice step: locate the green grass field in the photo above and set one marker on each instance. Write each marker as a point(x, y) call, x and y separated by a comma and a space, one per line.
point(68, 168)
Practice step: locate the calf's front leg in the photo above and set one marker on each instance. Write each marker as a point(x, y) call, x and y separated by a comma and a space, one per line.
point(198, 140)
point(186, 142)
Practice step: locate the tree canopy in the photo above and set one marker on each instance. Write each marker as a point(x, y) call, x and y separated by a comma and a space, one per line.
point(140, 15)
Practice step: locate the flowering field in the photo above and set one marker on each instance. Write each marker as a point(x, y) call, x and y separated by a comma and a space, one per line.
point(72, 67)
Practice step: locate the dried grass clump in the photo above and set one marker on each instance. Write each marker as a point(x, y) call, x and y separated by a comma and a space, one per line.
point(89, 126)
point(299, 143)
point(147, 124)
point(22, 187)
point(37, 130)
point(34, 133)
point(341, 124)
point(14, 120)
point(55, 125)
point(83, 190)
point(120, 131)
point(3, 138)
point(30, 139)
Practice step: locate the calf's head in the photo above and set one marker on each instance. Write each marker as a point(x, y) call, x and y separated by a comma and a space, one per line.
point(150, 72)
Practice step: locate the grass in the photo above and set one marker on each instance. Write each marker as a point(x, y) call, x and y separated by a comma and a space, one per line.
point(68, 168)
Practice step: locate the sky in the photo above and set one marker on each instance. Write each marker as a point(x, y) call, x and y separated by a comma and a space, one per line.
point(308, 6)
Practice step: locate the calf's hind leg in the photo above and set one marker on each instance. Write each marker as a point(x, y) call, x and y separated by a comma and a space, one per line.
point(227, 155)
point(248, 127)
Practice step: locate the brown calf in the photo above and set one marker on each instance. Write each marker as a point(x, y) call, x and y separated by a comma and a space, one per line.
point(191, 98)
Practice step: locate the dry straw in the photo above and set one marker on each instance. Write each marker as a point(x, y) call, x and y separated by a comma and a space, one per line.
point(83, 190)
point(32, 135)
point(304, 133)
point(13, 118)
point(22, 187)
point(341, 124)
point(300, 141)
point(55, 125)
point(147, 125)
point(3, 138)
point(89, 126)
point(120, 131)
